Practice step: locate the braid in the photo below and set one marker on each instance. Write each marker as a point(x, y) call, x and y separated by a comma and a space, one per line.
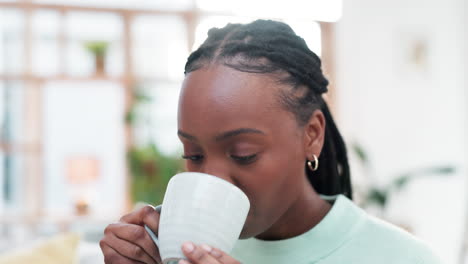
point(266, 46)
point(332, 176)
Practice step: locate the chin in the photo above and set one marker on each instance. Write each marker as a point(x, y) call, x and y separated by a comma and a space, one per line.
point(250, 229)
point(245, 234)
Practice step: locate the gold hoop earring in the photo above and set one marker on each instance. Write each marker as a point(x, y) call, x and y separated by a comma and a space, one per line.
point(315, 166)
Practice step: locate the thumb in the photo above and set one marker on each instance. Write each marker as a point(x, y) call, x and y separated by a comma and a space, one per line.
point(222, 257)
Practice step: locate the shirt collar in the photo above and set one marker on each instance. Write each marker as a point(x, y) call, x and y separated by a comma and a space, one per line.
point(329, 234)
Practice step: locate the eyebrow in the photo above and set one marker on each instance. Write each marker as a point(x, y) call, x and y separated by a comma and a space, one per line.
point(236, 132)
point(186, 135)
point(225, 135)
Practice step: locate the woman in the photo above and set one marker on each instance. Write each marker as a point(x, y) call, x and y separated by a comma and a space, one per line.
point(251, 112)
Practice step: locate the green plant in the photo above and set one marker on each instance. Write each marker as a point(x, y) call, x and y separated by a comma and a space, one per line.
point(151, 171)
point(379, 195)
point(149, 168)
point(98, 48)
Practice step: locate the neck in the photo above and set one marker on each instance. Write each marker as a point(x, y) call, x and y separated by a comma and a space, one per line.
point(305, 213)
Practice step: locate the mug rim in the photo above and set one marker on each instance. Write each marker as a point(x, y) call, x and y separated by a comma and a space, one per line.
point(220, 180)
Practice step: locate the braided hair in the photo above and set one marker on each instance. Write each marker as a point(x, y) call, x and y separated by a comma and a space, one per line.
point(266, 46)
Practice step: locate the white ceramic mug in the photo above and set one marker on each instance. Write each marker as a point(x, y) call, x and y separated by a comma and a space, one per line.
point(200, 208)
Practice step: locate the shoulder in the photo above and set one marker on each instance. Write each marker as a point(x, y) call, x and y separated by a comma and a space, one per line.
point(372, 240)
point(386, 240)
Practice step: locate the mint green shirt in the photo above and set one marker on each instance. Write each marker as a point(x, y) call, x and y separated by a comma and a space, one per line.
point(346, 235)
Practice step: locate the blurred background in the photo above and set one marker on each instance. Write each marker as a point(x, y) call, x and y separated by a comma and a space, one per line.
point(88, 105)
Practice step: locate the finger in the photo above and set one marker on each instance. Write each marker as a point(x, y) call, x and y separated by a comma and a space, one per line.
point(197, 254)
point(135, 235)
point(127, 249)
point(111, 256)
point(146, 215)
point(222, 257)
point(151, 219)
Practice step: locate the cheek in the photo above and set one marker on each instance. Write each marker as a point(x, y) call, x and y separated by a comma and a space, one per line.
point(272, 185)
point(278, 175)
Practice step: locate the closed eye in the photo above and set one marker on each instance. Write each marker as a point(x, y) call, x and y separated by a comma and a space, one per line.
point(194, 158)
point(244, 160)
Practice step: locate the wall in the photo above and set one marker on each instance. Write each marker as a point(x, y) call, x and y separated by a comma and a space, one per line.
point(84, 120)
point(401, 95)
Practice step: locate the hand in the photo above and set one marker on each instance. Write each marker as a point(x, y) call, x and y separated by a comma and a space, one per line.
point(128, 242)
point(205, 254)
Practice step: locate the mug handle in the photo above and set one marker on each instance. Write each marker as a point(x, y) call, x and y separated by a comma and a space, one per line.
point(150, 232)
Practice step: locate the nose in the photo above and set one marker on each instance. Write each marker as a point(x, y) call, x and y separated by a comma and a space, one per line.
point(217, 168)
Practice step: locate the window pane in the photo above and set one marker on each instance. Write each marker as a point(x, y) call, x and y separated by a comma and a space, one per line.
point(45, 48)
point(4, 184)
point(141, 4)
point(11, 41)
point(83, 28)
point(19, 136)
point(12, 175)
point(320, 10)
point(156, 120)
point(15, 153)
point(160, 47)
point(19, 114)
point(11, 112)
point(208, 22)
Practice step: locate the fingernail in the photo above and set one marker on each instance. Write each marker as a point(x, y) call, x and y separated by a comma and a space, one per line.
point(207, 248)
point(183, 262)
point(188, 247)
point(215, 253)
point(149, 209)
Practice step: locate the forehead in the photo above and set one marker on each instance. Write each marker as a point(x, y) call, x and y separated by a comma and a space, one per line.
point(226, 84)
point(228, 98)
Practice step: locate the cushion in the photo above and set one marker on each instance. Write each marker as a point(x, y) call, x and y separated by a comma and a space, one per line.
point(60, 249)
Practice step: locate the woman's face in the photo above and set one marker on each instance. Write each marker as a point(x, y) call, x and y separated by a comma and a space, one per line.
point(233, 126)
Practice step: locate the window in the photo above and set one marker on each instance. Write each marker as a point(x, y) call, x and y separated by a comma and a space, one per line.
point(11, 41)
point(55, 109)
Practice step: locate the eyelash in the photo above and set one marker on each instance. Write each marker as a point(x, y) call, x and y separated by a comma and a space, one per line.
point(242, 160)
point(194, 158)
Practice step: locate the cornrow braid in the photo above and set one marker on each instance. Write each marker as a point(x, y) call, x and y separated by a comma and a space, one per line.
point(266, 46)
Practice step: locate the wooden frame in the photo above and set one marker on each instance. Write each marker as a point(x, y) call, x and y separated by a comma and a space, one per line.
point(35, 178)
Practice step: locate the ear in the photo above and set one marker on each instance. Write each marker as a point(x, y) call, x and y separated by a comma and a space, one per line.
point(314, 135)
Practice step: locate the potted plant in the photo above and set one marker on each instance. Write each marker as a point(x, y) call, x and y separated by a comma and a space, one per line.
point(150, 173)
point(150, 169)
point(378, 196)
point(99, 50)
